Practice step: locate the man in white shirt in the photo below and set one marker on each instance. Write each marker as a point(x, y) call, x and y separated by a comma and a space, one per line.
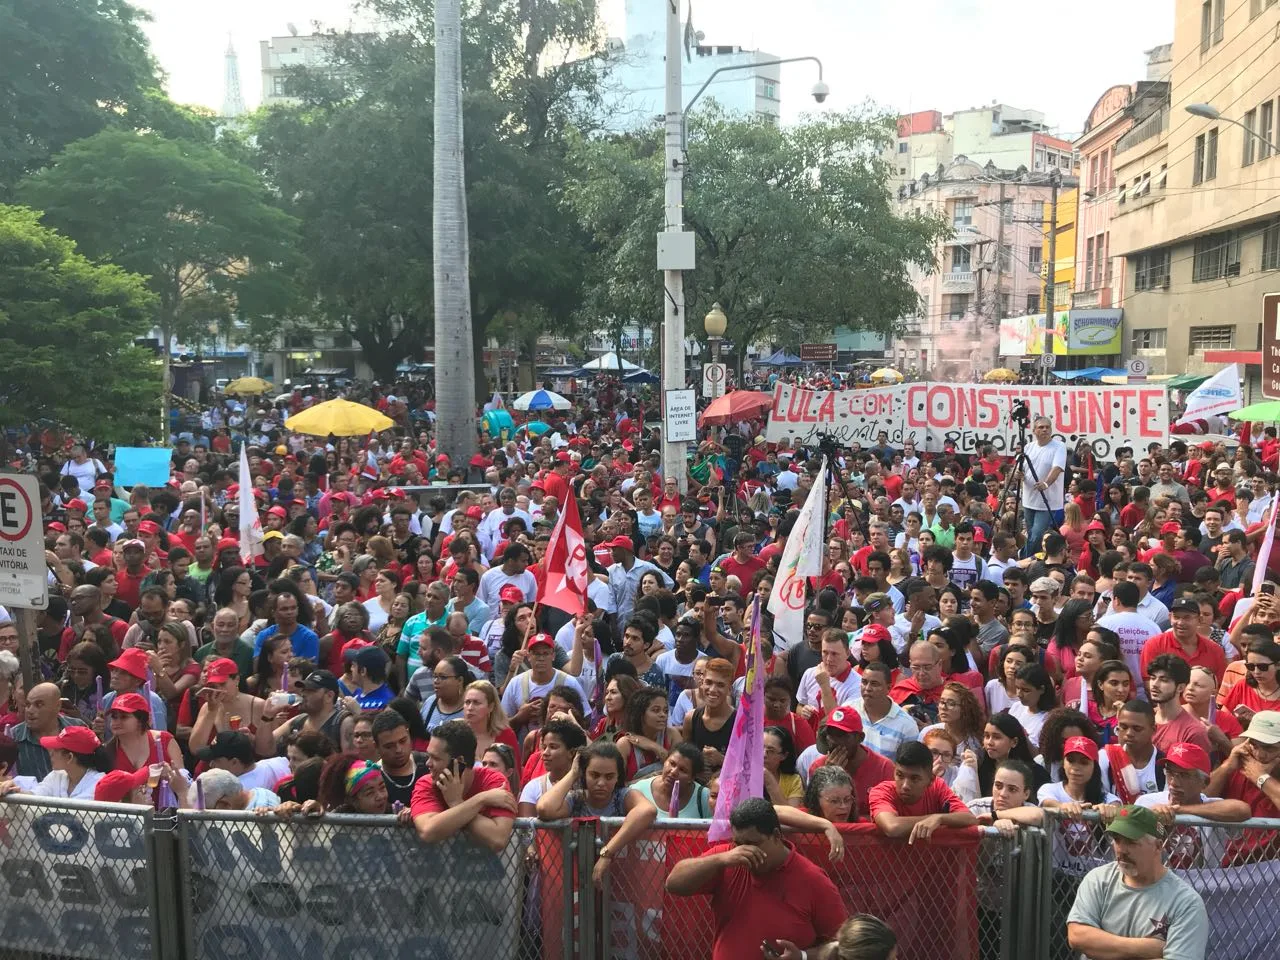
point(490, 529)
point(1042, 483)
point(512, 571)
point(1003, 549)
point(1132, 627)
point(834, 675)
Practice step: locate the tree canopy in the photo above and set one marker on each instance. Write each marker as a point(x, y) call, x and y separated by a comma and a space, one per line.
point(66, 333)
point(354, 159)
point(796, 231)
point(71, 68)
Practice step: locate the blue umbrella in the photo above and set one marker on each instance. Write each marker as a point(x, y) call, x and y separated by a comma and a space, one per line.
point(541, 400)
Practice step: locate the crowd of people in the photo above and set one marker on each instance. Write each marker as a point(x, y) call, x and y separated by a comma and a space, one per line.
point(982, 644)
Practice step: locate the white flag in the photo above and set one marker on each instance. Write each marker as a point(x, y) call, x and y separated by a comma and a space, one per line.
point(250, 522)
point(1264, 552)
point(801, 558)
point(1219, 394)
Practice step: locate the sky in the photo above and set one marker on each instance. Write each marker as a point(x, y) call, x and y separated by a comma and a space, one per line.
point(946, 55)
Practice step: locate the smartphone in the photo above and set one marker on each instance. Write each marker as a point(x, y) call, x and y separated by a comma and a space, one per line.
point(715, 601)
point(772, 948)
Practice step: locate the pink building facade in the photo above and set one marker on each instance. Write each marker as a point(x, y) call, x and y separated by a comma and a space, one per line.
point(1099, 276)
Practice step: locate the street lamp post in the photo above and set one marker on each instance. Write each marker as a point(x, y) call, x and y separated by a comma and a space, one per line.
point(715, 323)
point(675, 245)
point(1207, 111)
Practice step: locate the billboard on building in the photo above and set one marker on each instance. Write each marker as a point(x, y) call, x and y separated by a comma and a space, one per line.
point(1015, 333)
point(1096, 332)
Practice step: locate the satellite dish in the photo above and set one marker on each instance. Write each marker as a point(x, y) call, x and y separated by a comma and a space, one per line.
point(293, 31)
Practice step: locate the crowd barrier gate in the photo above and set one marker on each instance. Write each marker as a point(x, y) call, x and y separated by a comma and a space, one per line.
point(92, 881)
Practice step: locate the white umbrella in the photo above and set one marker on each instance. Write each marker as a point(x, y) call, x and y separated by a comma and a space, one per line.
point(609, 363)
point(540, 400)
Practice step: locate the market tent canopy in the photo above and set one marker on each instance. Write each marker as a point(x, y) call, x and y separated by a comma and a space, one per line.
point(609, 363)
point(1090, 373)
point(1267, 411)
point(1185, 381)
point(641, 376)
point(781, 358)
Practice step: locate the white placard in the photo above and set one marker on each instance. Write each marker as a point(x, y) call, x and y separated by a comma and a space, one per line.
point(681, 415)
point(713, 377)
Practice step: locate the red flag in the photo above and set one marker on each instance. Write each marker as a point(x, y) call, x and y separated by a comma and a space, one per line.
point(566, 563)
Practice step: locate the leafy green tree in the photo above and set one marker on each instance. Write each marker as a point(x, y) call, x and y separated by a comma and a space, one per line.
point(354, 161)
point(67, 329)
point(199, 226)
point(796, 232)
point(71, 68)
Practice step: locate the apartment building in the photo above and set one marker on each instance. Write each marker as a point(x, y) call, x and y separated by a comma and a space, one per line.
point(1196, 216)
point(1009, 137)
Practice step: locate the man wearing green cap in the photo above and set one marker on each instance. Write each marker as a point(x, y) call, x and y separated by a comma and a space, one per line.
point(1136, 907)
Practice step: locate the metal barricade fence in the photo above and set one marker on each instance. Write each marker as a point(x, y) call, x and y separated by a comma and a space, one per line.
point(77, 879)
point(362, 887)
point(1235, 867)
point(956, 897)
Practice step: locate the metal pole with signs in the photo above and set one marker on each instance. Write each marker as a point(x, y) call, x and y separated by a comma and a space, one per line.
point(24, 574)
point(713, 377)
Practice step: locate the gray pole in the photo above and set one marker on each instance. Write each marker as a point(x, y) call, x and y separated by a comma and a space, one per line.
point(997, 312)
point(673, 454)
point(1049, 285)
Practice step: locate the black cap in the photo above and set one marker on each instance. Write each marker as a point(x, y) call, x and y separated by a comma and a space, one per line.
point(350, 579)
point(228, 745)
point(321, 680)
point(1185, 605)
point(370, 658)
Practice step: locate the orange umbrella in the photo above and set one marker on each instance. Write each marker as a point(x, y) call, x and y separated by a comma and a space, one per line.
point(738, 405)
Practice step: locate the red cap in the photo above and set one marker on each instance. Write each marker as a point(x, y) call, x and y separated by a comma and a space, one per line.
point(57, 527)
point(475, 513)
point(1096, 524)
point(221, 670)
point(149, 527)
point(379, 494)
point(278, 511)
point(511, 594)
point(298, 501)
point(541, 639)
point(442, 458)
point(118, 784)
point(132, 661)
point(77, 504)
point(227, 543)
point(564, 457)
point(979, 535)
point(233, 489)
point(130, 702)
point(621, 543)
point(844, 718)
point(875, 633)
point(1188, 756)
point(395, 493)
point(1081, 745)
point(75, 739)
point(128, 544)
point(102, 485)
point(537, 485)
point(1171, 526)
point(1206, 446)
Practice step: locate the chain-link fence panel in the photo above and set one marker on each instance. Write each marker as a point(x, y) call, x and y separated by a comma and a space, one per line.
point(365, 888)
point(1235, 867)
point(76, 880)
point(948, 899)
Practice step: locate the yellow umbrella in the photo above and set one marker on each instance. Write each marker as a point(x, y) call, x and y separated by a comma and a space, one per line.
point(342, 418)
point(247, 387)
point(884, 374)
point(1000, 375)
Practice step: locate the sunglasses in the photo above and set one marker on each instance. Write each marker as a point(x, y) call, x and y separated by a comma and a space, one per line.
point(1264, 667)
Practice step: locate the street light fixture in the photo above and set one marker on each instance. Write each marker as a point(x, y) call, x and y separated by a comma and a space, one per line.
point(819, 91)
point(715, 323)
point(1207, 111)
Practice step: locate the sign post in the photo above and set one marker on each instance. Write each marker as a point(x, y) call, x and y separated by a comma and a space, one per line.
point(24, 584)
point(681, 415)
point(818, 352)
point(1271, 346)
point(713, 378)
point(1137, 370)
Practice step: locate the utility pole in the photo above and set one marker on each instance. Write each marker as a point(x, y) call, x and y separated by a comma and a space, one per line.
point(675, 246)
point(1050, 287)
point(997, 312)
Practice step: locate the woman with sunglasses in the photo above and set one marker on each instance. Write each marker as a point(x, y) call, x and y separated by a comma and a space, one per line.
point(1261, 687)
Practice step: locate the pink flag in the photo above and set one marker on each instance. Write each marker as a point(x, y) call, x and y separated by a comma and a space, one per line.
point(742, 775)
point(250, 522)
point(1264, 553)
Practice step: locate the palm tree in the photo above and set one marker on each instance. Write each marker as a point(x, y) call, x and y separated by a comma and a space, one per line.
point(454, 369)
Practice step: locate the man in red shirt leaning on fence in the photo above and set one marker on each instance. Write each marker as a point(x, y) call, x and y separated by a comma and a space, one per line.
point(916, 803)
point(460, 797)
point(761, 889)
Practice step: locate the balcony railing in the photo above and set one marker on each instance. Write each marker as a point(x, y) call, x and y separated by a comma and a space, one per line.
point(1152, 126)
point(958, 278)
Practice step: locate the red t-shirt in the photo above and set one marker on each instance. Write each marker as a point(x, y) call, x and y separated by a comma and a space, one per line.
point(128, 587)
point(796, 902)
point(1240, 787)
point(1241, 694)
point(732, 567)
point(1132, 514)
point(873, 771)
point(428, 799)
point(1182, 729)
point(937, 798)
point(117, 627)
point(1208, 654)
